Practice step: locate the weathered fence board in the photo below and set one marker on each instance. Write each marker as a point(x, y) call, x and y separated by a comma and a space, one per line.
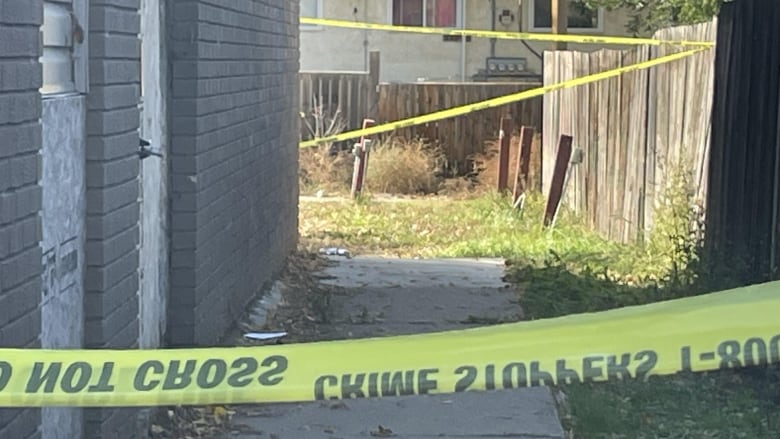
point(631, 129)
point(351, 95)
point(462, 136)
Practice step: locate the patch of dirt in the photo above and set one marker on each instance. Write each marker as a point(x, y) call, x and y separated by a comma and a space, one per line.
point(305, 300)
point(304, 306)
point(190, 422)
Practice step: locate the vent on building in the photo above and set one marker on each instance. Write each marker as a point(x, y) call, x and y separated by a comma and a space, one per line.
point(58, 49)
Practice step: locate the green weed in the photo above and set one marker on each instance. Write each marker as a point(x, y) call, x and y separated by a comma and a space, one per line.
point(444, 227)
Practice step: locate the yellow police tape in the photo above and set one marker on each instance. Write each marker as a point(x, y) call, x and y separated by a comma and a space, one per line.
point(496, 102)
point(723, 330)
point(565, 38)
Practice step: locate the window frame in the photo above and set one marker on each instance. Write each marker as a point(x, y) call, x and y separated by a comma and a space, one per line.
point(458, 15)
point(79, 52)
point(583, 30)
point(319, 14)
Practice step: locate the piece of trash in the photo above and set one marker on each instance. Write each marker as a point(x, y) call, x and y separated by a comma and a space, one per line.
point(334, 251)
point(264, 335)
point(220, 414)
point(382, 432)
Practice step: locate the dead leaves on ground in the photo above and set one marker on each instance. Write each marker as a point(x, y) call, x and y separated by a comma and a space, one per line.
point(306, 300)
point(304, 306)
point(190, 422)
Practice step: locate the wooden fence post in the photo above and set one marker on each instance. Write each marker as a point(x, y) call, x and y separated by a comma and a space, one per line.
point(558, 179)
point(560, 21)
point(361, 160)
point(523, 163)
point(505, 139)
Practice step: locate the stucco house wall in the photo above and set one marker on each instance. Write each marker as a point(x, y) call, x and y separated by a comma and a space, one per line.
point(409, 57)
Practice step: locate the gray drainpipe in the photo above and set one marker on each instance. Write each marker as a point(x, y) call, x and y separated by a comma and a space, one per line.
point(462, 7)
point(492, 27)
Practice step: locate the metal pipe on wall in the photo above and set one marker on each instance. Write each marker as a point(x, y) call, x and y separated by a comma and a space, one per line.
point(492, 27)
point(462, 8)
point(365, 36)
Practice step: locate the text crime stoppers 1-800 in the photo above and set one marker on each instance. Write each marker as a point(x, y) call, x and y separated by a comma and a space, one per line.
point(730, 329)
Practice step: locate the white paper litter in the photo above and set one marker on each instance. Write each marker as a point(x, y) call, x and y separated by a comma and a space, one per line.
point(334, 251)
point(264, 335)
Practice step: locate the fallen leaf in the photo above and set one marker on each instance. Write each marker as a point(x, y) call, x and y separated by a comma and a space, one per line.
point(382, 432)
point(220, 414)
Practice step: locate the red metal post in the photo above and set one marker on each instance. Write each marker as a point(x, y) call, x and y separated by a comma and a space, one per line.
point(558, 178)
point(505, 138)
point(523, 163)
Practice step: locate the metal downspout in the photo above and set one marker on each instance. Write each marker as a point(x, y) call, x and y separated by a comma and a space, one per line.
point(462, 7)
point(492, 27)
point(365, 36)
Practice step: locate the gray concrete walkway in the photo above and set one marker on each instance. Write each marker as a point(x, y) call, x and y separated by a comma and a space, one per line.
point(394, 297)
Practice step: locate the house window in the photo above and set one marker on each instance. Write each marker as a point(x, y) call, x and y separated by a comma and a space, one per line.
point(580, 16)
point(311, 8)
point(430, 13)
point(64, 57)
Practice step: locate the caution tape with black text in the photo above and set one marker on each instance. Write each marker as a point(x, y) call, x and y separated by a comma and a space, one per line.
point(723, 330)
point(503, 35)
point(497, 102)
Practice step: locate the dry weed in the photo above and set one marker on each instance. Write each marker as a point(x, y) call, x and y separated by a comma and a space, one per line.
point(459, 187)
point(404, 167)
point(320, 169)
point(485, 165)
point(324, 167)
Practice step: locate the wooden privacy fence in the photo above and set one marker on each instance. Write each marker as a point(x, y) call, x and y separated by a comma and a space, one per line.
point(353, 95)
point(632, 130)
point(461, 136)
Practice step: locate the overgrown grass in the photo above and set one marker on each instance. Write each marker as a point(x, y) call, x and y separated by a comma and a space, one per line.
point(442, 227)
point(704, 406)
point(723, 404)
point(671, 264)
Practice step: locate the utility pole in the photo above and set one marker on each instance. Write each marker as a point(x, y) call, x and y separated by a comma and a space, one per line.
point(560, 20)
